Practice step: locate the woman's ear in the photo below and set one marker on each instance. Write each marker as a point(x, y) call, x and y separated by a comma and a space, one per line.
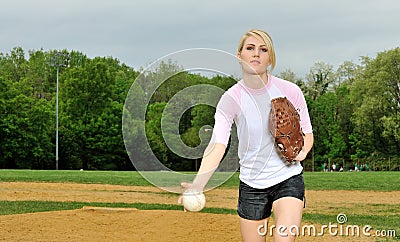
point(239, 56)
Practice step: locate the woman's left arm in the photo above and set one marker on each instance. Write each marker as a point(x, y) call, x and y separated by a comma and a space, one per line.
point(308, 144)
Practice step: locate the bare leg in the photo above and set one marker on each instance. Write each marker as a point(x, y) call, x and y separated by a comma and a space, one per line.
point(287, 215)
point(254, 230)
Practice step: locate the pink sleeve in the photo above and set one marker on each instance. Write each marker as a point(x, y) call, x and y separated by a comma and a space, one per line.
point(227, 109)
point(299, 102)
point(296, 96)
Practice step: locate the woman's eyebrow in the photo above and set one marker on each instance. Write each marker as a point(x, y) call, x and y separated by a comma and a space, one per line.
point(255, 45)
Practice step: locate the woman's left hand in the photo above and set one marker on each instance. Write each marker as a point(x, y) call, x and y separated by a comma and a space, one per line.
point(301, 156)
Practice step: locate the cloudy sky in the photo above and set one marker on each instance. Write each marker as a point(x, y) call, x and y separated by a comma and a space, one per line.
point(138, 32)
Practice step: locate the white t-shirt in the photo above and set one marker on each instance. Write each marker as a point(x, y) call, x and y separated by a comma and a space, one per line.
point(261, 166)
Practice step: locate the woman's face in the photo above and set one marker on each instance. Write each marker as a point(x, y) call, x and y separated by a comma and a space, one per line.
point(254, 56)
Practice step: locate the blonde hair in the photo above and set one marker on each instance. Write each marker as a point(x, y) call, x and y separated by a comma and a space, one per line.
point(267, 41)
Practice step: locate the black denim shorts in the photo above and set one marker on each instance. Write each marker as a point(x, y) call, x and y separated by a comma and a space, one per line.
point(256, 204)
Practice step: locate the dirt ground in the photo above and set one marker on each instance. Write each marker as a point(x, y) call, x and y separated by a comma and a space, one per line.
point(112, 224)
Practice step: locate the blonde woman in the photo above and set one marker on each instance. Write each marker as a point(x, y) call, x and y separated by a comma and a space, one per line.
point(267, 183)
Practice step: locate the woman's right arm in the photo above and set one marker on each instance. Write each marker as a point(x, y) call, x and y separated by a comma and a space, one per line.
point(226, 110)
point(210, 162)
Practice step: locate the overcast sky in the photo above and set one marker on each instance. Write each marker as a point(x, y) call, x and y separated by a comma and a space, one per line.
point(138, 32)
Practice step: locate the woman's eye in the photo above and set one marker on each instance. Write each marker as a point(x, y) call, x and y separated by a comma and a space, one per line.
point(264, 50)
point(249, 48)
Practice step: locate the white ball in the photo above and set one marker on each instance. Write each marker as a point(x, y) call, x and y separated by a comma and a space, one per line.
point(193, 200)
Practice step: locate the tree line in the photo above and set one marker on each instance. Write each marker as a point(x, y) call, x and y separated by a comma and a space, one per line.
point(354, 110)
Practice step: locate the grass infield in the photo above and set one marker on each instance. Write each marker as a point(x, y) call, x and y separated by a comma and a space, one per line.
point(371, 181)
point(20, 207)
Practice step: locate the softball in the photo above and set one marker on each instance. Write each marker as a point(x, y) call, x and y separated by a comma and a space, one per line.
point(193, 200)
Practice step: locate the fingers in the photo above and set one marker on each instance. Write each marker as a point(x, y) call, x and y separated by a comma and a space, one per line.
point(299, 157)
point(185, 185)
point(180, 202)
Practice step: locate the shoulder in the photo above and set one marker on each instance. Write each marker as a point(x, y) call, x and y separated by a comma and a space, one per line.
point(235, 88)
point(284, 84)
point(234, 92)
point(230, 97)
point(289, 90)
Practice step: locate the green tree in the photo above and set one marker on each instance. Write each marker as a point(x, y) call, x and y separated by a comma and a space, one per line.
point(347, 72)
point(86, 96)
point(320, 80)
point(289, 75)
point(154, 134)
point(375, 96)
point(329, 138)
point(26, 119)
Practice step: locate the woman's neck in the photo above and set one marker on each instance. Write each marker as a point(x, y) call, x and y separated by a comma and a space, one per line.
point(255, 81)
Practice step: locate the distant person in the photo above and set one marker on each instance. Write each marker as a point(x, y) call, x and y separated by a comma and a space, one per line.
point(356, 167)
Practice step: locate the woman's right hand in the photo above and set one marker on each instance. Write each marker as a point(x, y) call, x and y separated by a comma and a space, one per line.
point(186, 186)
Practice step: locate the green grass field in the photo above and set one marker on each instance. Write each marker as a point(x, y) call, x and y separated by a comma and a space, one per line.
point(372, 181)
point(389, 216)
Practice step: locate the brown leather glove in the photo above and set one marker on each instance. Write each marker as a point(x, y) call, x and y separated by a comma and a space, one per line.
point(284, 125)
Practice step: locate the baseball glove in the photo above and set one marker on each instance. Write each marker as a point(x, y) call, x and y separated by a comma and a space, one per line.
point(284, 125)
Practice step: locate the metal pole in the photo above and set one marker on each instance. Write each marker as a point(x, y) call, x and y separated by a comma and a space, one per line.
point(58, 60)
point(57, 120)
